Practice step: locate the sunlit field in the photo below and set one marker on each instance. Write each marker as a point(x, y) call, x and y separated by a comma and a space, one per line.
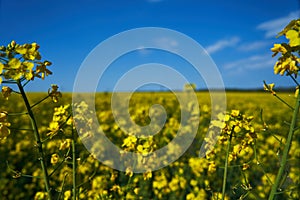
point(250, 172)
point(187, 144)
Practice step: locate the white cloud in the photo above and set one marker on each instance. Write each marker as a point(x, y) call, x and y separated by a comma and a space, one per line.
point(273, 27)
point(256, 45)
point(143, 51)
point(221, 44)
point(252, 63)
point(167, 44)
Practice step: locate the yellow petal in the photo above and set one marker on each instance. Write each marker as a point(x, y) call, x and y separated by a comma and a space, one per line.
point(294, 38)
point(4, 131)
point(14, 63)
point(1, 68)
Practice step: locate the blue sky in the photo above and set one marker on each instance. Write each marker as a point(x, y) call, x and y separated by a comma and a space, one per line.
point(238, 35)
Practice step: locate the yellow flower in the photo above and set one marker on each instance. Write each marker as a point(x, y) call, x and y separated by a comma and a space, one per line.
point(160, 181)
point(136, 190)
point(54, 158)
point(296, 92)
point(4, 130)
point(14, 63)
point(54, 93)
point(237, 129)
point(129, 142)
point(6, 92)
point(235, 113)
point(278, 48)
point(193, 182)
point(129, 172)
point(218, 195)
point(17, 67)
point(147, 175)
point(288, 65)
point(174, 184)
point(65, 144)
point(1, 67)
point(67, 195)
point(53, 128)
point(190, 196)
point(116, 188)
point(294, 37)
point(1, 70)
point(42, 68)
point(40, 196)
point(269, 88)
point(212, 167)
point(245, 166)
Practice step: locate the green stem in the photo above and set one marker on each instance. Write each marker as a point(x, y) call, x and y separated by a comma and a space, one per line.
point(37, 139)
point(9, 82)
point(260, 164)
point(285, 150)
point(26, 83)
point(280, 99)
point(62, 187)
point(295, 81)
point(1, 58)
point(268, 88)
point(58, 166)
point(226, 164)
point(74, 163)
point(12, 114)
point(40, 101)
point(20, 129)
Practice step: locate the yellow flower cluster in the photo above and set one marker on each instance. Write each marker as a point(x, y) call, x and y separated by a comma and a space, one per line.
point(190, 177)
point(54, 93)
point(83, 117)
point(6, 92)
point(40, 196)
point(237, 124)
point(238, 128)
point(269, 88)
point(60, 117)
point(288, 62)
point(141, 145)
point(287, 65)
point(22, 61)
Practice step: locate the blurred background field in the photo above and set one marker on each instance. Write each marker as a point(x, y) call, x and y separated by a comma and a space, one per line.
point(187, 178)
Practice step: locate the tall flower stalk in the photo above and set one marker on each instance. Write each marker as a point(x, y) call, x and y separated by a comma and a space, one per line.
point(20, 64)
point(287, 64)
point(39, 143)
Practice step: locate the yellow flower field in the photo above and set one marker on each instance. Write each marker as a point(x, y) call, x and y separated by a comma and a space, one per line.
point(55, 147)
point(251, 169)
